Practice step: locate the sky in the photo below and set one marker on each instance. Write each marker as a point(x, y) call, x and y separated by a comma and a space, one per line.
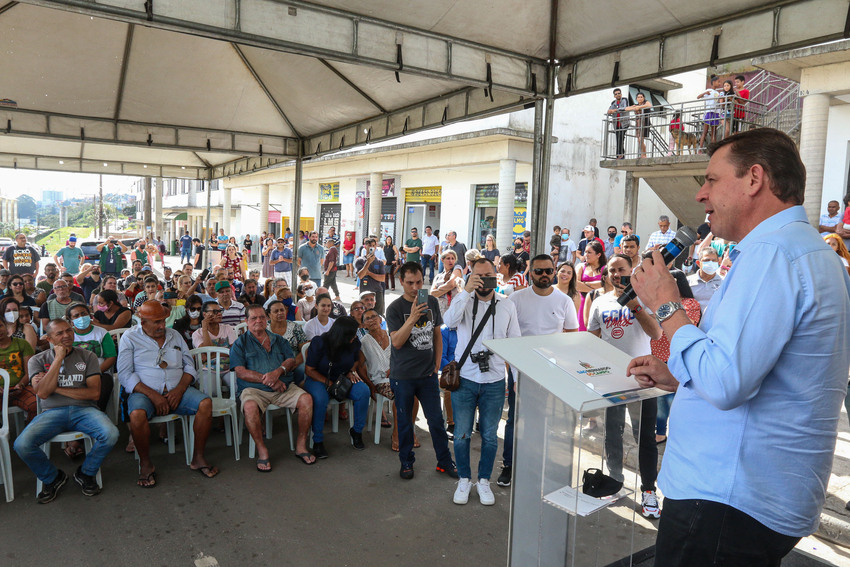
point(17, 182)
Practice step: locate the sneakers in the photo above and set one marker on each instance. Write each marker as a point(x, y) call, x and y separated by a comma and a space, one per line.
point(448, 468)
point(485, 495)
point(319, 450)
point(87, 483)
point(406, 472)
point(356, 439)
point(649, 504)
point(450, 431)
point(462, 491)
point(51, 491)
point(505, 478)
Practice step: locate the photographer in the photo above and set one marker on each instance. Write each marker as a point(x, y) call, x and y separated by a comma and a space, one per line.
point(371, 271)
point(482, 382)
point(111, 259)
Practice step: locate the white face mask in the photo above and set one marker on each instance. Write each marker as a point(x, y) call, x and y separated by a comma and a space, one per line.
point(710, 267)
point(11, 316)
point(194, 314)
point(309, 292)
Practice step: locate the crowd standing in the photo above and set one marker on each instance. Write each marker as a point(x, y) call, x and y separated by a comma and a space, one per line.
point(295, 345)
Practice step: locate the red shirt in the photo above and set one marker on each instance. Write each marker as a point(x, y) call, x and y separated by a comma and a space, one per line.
point(739, 104)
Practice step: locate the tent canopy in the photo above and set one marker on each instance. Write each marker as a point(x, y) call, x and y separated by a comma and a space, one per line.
point(211, 88)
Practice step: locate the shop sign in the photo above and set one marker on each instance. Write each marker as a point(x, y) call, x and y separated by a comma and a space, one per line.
point(274, 217)
point(387, 187)
point(360, 204)
point(328, 192)
point(520, 214)
point(424, 194)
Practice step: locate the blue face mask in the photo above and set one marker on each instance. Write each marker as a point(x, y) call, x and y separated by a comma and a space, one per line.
point(82, 322)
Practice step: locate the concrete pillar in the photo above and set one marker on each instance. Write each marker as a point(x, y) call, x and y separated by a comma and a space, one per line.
point(631, 200)
point(376, 182)
point(15, 214)
point(264, 210)
point(147, 204)
point(813, 150)
point(193, 192)
point(505, 210)
point(225, 210)
point(159, 228)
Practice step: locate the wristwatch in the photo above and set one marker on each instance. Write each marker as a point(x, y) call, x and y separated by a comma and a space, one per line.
point(666, 310)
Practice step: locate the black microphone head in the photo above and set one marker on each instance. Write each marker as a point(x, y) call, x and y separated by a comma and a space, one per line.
point(686, 235)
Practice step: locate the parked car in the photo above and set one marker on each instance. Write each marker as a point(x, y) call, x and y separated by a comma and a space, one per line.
point(5, 243)
point(90, 252)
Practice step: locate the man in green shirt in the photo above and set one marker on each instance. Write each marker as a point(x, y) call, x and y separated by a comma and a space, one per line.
point(51, 274)
point(68, 258)
point(413, 247)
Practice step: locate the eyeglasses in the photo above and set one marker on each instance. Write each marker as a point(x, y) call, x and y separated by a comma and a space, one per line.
point(541, 271)
point(16, 283)
point(214, 311)
point(358, 309)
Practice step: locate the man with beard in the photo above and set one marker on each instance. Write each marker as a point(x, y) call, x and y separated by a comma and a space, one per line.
point(542, 309)
point(482, 376)
point(630, 245)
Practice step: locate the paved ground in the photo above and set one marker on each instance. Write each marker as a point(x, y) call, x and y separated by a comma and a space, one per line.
point(351, 509)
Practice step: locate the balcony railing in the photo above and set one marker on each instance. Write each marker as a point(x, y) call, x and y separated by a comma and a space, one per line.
point(678, 129)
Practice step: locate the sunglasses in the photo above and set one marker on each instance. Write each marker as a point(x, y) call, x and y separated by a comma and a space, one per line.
point(16, 283)
point(213, 311)
point(541, 271)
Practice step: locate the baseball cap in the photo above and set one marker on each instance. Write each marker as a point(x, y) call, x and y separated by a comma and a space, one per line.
point(221, 285)
point(588, 227)
point(365, 293)
point(72, 239)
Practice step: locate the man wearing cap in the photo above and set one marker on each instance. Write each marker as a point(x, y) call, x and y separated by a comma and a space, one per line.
point(281, 259)
point(21, 258)
point(68, 258)
point(234, 312)
point(369, 301)
point(155, 367)
point(4, 278)
point(588, 238)
point(112, 256)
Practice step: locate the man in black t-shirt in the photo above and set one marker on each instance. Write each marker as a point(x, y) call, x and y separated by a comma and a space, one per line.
point(417, 349)
point(199, 253)
point(372, 274)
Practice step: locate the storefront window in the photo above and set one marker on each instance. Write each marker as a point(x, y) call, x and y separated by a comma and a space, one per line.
point(486, 211)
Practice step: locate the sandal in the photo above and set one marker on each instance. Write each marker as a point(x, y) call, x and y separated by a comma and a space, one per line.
point(207, 471)
point(303, 458)
point(148, 481)
point(74, 451)
point(385, 423)
point(259, 462)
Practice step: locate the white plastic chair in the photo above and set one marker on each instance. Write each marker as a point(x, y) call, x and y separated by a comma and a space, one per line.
point(5, 454)
point(334, 405)
point(208, 364)
point(17, 415)
point(113, 409)
point(240, 328)
point(169, 420)
point(377, 406)
point(66, 437)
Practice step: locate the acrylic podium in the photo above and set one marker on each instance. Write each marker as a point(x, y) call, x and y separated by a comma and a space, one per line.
point(566, 384)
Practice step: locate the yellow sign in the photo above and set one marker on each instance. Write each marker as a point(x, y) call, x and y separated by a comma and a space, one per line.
point(328, 192)
point(519, 220)
point(423, 194)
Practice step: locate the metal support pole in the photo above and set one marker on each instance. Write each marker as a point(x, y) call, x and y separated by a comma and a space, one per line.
point(295, 218)
point(540, 195)
point(100, 214)
point(147, 212)
point(536, 160)
point(206, 236)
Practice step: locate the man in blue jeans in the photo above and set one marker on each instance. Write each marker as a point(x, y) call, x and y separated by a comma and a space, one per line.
point(67, 379)
point(417, 347)
point(185, 248)
point(482, 376)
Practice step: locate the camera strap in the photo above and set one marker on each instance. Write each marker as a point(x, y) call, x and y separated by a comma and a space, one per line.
point(490, 311)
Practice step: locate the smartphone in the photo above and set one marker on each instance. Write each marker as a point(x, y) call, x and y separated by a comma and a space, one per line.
point(169, 295)
point(422, 296)
point(204, 274)
point(489, 282)
point(625, 280)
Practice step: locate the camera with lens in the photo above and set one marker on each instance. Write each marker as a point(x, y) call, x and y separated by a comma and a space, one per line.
point(482, 359)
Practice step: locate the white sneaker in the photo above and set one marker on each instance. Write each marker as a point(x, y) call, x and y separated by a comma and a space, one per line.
point(485, 495)
point(649, 505)
point(462, 491)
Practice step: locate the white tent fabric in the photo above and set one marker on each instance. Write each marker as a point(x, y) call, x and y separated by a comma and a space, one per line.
point(208, 88)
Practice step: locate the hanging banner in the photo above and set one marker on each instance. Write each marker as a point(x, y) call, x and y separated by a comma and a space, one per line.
point(274, 217)
point(360, 204)
point(488, 195)
point(423, 194)
point(328, 192)
point(387, 187)
point(519, 220)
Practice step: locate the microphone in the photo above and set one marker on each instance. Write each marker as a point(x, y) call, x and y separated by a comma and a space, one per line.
point(685, 236)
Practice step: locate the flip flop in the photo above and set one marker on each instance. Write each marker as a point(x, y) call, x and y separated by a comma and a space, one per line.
point(385, 423)
point(205, 470)
point(303, 458)
point(73, 452)
point(262, 462)
point(150, 479)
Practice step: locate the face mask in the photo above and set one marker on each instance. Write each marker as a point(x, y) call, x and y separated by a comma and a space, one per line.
point(710, 268)
point(102, 307)
point(82, 322)
point(11, 316)
point(612, 235)
point(194, 314)
point(309, 292)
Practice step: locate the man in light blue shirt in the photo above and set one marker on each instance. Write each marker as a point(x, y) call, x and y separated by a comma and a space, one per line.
point(68, 258)
point(759, 385)
point(310, 256)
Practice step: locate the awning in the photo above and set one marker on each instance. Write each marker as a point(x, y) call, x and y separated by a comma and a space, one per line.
point(175, 216)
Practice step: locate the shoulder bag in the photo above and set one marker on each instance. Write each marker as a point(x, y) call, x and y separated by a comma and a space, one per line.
point(450, 377)
point(340, 386)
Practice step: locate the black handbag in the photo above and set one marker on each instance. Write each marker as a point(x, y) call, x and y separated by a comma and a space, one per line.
point(340, 386)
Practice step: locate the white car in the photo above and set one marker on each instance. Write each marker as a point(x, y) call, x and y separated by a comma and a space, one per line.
point(5, 243)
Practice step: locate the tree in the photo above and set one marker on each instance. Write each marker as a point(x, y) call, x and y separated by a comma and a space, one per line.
point(27, 207)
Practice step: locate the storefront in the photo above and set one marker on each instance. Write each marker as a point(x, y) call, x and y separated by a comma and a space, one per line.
point(330, 210)
point(388, 211)
point(486, 211)
point(421, 209)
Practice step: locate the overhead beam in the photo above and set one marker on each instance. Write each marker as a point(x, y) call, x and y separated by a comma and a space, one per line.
point(77, 165)
point(464, 104)
point(777, 26)
point(68, 127)
point(7, 6)
point(122, 77)
point(265, 89)
point(298, 27)
point(357, 89)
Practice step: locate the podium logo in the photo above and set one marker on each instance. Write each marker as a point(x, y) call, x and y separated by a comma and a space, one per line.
point(590, 371)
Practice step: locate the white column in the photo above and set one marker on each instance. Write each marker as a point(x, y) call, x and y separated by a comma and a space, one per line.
point(193, 192)
point(505, 210)
point(264, 210)
point(813, 150)
point(376, 182)
point(630, 201)
point(225, 210)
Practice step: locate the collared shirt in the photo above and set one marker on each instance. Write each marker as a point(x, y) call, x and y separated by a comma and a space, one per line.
point(429, 244)
point(659, 237)
point(311, 258)
point(504, 324)
point(704, 290)
point(234, 314)
point(826, 220)
point(250, 354)
point(139, 358)
point(763, 379)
